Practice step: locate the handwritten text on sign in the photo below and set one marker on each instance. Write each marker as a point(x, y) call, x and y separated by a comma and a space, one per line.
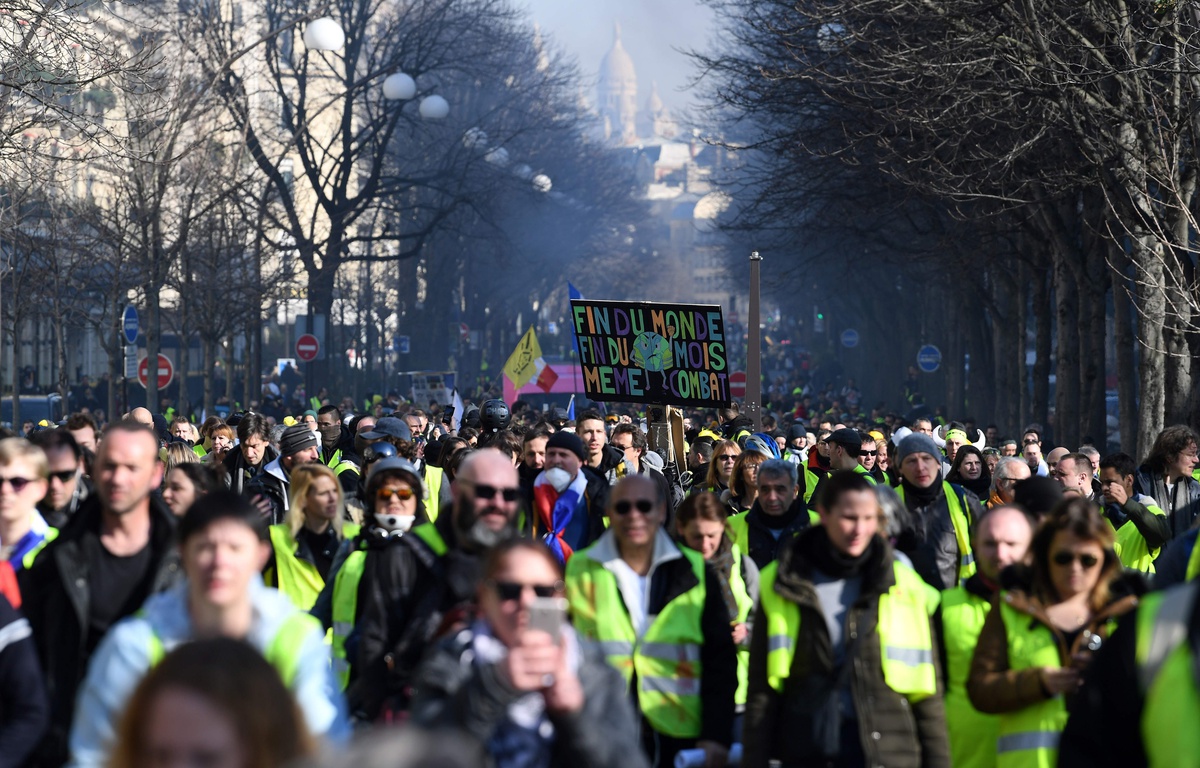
point(652, 353)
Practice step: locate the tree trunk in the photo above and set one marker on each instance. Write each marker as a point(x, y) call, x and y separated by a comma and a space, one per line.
point(1152, 308)
point(207, 345)
point(1039, 410)
point(184, 406)
point(153, 342)
point(1178, 377)
point(1126, 345)
point(229, 369)
point(60, 352)
point(1066, 401)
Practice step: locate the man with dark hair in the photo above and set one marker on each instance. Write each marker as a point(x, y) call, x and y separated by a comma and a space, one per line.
point(778, 513)
point(297, 446)
point(1142, 526)
point(842, 663)
point(83, 428)
point(337, 448)
point(533, 456)
point(68, 487)
point(566, 500)
point(254, 452)
point(639, 460)
point(601, 456)
point(118, 549)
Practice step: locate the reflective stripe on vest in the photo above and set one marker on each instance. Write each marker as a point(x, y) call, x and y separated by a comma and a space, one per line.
point(298, 579)
point(427, 533)
point(957, 505)
point(31, 555)
point(433, 491)
point(282, 651)
point(1029, 736)
point(345, 611)
point(972, 734)
point(665, 660)
point(1166, 677)
point(905, 640)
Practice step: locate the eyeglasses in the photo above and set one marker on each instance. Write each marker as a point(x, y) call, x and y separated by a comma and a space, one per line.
point(509, 591)
point(386, 494)
point(727, 457)
point(18, 484)
point(487, 492)
point(65, 476)
point(645, 506)
point(1086, 561)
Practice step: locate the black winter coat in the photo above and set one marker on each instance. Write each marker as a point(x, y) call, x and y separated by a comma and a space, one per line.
point(24, 709)
point(781, 726)
point(56, 593)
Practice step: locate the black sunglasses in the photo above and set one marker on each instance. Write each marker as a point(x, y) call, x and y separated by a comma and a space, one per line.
point(1066, 558)
point(486, 492)
point(65, 476)
point(625, 507)
point(511, 590)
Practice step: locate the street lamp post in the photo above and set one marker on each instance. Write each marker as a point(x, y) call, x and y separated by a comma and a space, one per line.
point(754, 351)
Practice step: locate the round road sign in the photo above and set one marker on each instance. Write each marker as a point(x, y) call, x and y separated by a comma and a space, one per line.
point(166, 371)
point(307, 347)
point(850, 338)
point(929, 358)
point(737, 384)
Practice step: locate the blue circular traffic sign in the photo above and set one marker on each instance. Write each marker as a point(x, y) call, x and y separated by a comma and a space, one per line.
point(129, 324)
point(929, 358)
point(850, 338)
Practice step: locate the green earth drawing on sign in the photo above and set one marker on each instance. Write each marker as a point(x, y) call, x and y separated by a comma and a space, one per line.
point(652, 352)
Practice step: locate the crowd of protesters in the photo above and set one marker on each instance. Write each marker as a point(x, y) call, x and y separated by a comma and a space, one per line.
point(544, 588)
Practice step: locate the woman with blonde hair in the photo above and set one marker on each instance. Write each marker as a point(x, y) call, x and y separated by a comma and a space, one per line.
point(311, 537)
point(216, 703)
point(743, 482)
point(1038, 641)
point(720, 467)
point(178, 453)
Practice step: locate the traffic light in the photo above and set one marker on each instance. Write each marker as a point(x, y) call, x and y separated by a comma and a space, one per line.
point(818, 320)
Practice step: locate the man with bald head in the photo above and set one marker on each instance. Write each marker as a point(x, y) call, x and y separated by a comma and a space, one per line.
point(1053, 457)
point(142, 416)
point(428, 578)
point(117, 550)
point(1002, 538)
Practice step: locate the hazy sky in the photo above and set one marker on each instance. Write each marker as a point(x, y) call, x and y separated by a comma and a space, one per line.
point(651, 30)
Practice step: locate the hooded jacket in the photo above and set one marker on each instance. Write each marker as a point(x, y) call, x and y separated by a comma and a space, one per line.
point(124, 657)
point(57, 592)
point(272, 483)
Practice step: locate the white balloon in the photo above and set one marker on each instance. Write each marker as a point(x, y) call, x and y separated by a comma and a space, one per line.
point(324, 34)
point(542, 183)
point(399, 87)
point(434, 107)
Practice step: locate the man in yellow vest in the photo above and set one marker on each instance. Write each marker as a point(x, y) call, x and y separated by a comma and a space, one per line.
point(778, 514)
point(1002, 538)
point(1141, 701)
point(658, 613)
point(337, 448)
point(223, 543)
point(938, 537)
point(843, 667)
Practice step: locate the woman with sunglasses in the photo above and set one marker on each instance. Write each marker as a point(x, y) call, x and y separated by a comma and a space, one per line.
point(1051, 617)
point(720, 468)
point(743, 483)
point(394, 494)
point(311, 538)
point(519, 682)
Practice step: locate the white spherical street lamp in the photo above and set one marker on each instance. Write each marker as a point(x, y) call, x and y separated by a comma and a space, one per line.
point(399, 87)
point(434, 108)
point(324, 34)
point(542, 183)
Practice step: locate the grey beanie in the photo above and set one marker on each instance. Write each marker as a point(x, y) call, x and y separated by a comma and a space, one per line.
point(917, 443)
point(296, 439)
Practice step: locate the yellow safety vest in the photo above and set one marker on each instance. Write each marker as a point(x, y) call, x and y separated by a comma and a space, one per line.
point(972, 734)
point(962, 529)
point(283, 650)
point(1166, 677)
point(298, 579)
point(905, 639)
point(1193, 566)
point(1029, 737)
point(665, 660)
point(433, 490)
point(859, 469)
point(345, 611)
point(338, 466)
point(429, 534)
point(1131, 548)
point(31, 555)
point(741, 596)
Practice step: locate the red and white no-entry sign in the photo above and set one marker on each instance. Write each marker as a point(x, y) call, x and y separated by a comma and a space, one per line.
point(737, 384)
point(307, 347)
point(166, 371)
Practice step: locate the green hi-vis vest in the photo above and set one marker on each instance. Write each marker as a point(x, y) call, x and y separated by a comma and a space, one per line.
point(1167, 679)
point(199, 450)
point(427, 533)
point(1029, 737)
point(1131, 548)
point(905, 639)
point(339, 466)
point(745, 606)
point(433, 489)
point(282, 652)
point(31, 555)
point(345, 611)
point(1193, 566)
point(665, 659)
point(859, 469)
point(298, 579)
point(957, 504)
point(972, 734)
